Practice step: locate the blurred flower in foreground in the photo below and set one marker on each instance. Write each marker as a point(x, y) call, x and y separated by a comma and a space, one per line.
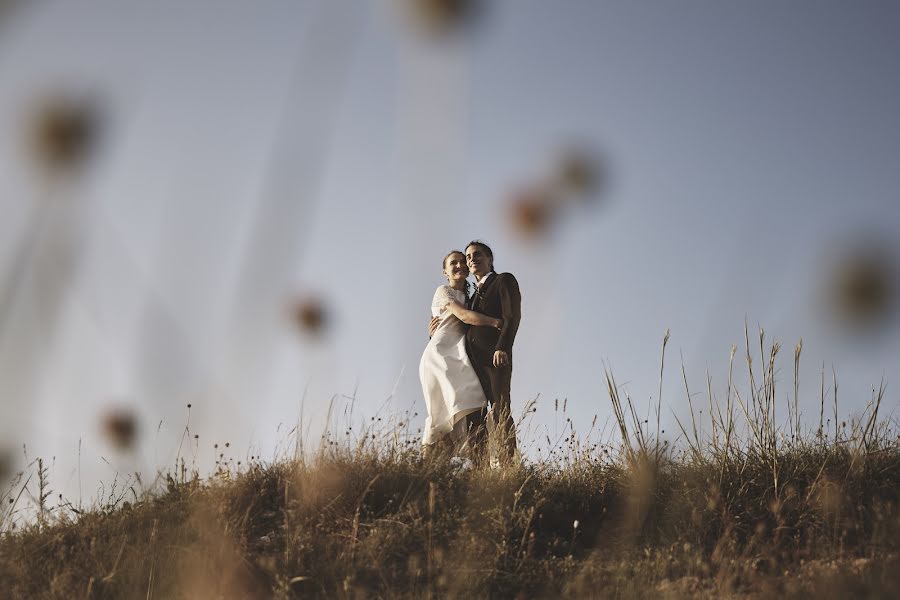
point(579, 172)
point(576, 176)
point(438, 17)
point(533, 211)
point(310, 315)
point(6, 465)
point(62, 133)
point(120, 428)
point(862, 290)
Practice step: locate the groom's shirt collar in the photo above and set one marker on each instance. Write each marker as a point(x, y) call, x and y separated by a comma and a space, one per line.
point(480, 282)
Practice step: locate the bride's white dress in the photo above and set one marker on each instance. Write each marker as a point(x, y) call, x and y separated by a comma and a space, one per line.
point(449, 383)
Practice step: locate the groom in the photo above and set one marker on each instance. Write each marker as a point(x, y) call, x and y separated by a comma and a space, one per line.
point(496, 295)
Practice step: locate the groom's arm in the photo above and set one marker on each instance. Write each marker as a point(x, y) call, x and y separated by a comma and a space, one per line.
point(433, 325)
point(511, 311)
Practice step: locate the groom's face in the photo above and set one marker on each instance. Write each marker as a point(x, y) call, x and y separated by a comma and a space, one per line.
point(478, 260)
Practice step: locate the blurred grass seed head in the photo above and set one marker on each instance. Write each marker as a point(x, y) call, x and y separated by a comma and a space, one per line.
point(576, 175)
point(6, 465)
point(310, 315)
point(120, 428)
point(532, 212)
point(579, 172)
point(62, 133)
point(440, 17)
point(863, 290)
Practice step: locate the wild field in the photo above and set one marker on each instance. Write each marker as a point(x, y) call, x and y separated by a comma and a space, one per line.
point(749, 502)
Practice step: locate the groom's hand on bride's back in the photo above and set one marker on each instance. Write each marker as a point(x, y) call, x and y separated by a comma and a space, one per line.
point(433, 325)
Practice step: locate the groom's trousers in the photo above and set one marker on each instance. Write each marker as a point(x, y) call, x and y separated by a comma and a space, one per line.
point(499, 420)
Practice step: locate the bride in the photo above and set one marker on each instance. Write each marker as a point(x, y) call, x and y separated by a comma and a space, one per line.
point(452, 390)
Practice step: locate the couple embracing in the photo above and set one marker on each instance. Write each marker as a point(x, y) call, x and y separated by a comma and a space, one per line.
point(467, 365)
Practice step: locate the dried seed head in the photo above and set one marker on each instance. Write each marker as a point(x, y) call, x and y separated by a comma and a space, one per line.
point(863, 289)
point(63, 132)
point(310, 315)
point(578, 172)
point(120, 428)
point(532, 212)
point(440, 17)
point(6, 465)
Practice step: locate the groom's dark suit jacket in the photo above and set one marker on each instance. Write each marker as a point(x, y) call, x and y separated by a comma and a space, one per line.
point(498, 297)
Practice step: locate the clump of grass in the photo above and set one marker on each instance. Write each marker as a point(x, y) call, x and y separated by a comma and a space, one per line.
point(742, 504)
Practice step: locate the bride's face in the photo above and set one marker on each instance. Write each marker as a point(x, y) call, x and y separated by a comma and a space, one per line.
point(455, 267)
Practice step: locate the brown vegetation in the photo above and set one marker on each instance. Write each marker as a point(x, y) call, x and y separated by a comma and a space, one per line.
point(747, 509)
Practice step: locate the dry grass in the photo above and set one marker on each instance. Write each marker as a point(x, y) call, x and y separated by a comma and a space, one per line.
point(745, 506)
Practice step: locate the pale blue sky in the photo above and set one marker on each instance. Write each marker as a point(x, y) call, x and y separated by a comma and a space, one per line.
point(252, 152)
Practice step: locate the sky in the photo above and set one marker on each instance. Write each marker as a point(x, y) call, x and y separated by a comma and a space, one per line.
point(248, 159)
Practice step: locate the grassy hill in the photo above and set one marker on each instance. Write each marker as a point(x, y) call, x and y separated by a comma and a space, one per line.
point(749, 509)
